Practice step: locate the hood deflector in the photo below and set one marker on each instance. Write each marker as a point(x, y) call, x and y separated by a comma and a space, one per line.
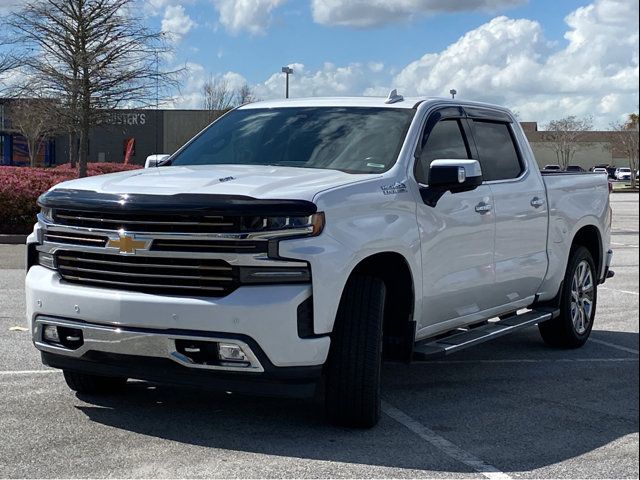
point(173, 204)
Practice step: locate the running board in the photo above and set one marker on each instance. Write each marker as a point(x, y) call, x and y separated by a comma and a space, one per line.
point(466, 338)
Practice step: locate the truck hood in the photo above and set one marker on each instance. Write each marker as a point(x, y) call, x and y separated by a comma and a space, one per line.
point(263, 182)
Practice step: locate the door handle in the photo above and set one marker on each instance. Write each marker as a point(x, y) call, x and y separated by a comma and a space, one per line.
point(537, 202)
point(483, 207)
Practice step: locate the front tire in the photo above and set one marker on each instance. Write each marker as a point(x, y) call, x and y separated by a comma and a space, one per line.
point(85, 383)
point(572, 327)
point(352, 396)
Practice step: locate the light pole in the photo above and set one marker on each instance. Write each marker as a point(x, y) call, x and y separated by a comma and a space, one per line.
point(287, 71)
point(157, 115)
point(453, 92)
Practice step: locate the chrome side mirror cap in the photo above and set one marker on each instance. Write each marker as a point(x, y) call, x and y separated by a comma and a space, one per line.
point(154, 160)
point(450, 175)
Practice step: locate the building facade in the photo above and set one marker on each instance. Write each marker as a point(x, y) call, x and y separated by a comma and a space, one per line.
point(132, 135)
point(123, 135)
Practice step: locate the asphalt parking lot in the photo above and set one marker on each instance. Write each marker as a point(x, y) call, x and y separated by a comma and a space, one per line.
point(511, 408)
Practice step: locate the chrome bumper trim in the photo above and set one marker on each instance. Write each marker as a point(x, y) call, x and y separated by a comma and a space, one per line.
point(120, 340)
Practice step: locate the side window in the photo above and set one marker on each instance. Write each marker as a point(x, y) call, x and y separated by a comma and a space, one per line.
point(498, 155)
point(445, 141)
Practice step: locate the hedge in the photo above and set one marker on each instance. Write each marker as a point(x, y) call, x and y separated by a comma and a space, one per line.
point(20, 187)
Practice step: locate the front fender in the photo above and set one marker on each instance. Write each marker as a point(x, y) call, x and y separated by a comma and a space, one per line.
point(361, 221)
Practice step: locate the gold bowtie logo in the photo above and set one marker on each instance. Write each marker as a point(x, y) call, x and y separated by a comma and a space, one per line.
point(126, 244)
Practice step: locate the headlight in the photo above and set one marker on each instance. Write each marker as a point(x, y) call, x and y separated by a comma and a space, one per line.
point(47, 213)
point(281, 227)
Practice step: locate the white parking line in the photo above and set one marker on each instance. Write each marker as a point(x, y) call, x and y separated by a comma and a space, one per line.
point(621, 291)
point(624, 245)
point(444, 445)
point(613, 345)
point(26, 372)
point(533, 360)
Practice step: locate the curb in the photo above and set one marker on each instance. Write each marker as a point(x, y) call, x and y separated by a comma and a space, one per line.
point(12, 239)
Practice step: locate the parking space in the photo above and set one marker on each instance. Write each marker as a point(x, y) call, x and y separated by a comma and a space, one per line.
point(511, 408)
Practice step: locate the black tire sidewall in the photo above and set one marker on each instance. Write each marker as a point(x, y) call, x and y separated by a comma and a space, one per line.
point(352, 393)
point(578, 254)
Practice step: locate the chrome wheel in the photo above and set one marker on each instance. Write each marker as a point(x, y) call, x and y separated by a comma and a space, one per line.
point(582, 295)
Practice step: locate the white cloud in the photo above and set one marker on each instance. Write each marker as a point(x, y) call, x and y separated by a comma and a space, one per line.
point(505, 61)
point(195, 75)
point(190, 94)
point(375, 66)
point(509, 62)
point(370, 13)
point(252, 16)
point(176, 23)
point(329, 80)
point(154, 7)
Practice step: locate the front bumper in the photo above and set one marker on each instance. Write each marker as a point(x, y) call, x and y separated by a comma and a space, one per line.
point(110, 351)
point(267, 315)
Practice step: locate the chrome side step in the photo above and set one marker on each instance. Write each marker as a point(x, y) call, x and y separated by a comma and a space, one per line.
point(465, 338)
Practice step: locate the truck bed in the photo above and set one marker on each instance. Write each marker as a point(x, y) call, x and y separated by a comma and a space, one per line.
point(575, 199)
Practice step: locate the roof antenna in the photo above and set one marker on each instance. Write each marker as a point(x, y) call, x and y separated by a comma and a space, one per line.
point(394, 97)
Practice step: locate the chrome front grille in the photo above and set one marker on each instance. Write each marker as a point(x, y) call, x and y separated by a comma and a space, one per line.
point(71, 238)
point(148, 222)
point(223, 246)
point(179, 276)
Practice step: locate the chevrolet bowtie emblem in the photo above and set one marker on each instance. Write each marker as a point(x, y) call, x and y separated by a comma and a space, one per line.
point(126, 243)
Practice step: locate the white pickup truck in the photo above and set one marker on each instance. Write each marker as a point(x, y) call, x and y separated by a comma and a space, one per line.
point(297, 243)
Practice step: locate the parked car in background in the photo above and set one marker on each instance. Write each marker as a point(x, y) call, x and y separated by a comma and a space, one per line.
point(552, 167)
point(600, 170)
point(575, 168)
point(623, 173)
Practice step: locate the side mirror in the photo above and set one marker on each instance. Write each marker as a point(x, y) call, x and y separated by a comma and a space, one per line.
point(450, 176)
point(154, 160)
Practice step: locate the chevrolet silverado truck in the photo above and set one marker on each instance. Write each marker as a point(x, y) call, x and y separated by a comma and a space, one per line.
point(295, 244)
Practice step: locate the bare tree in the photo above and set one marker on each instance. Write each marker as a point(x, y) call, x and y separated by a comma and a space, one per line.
point(627, 140)
point(34, 120)
point(93, 56)
point(217, 95)
point(245, 95)
point(566, 135)
point(8, 62)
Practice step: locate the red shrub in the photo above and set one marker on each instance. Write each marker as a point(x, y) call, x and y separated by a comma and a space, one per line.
point(20, 187)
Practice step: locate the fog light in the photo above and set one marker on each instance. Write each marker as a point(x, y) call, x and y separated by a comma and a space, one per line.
point(50, 334)
point(231, 352)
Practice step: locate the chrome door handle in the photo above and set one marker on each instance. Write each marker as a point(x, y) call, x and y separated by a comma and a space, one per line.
point(537, 202)
point(483, 207)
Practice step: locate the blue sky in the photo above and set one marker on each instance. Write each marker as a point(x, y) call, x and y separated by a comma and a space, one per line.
point(545, 59)
point(293, 37)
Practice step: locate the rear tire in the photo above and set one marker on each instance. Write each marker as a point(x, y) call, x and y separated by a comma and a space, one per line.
point(352, 396)
point(85, 383)
point(578, 300)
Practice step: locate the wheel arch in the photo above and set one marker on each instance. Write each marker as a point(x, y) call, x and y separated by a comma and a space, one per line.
point(399, 324)
point(589, 237)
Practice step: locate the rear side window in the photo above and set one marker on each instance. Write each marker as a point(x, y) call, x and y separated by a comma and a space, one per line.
point(498, 154)
point(445, 141)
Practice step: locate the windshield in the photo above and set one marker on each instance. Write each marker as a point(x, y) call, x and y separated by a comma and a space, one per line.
point(350, 139)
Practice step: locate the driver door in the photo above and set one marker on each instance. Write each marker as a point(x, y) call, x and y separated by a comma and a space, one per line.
point(457, 235)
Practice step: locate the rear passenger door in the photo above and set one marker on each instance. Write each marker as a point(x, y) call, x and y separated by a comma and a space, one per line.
point(519, 206)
